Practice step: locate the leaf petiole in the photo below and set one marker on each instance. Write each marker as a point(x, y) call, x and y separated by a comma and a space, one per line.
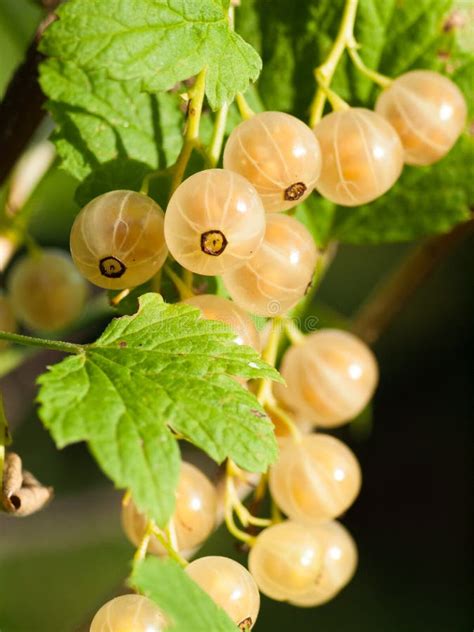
point(31, 341)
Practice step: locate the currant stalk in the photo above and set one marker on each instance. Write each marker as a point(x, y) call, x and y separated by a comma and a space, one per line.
point(191, 135)
point(325, 72)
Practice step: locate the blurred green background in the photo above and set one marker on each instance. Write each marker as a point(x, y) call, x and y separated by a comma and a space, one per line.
point(412, 521)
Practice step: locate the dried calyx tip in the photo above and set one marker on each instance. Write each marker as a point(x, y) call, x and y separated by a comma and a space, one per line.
point(112, 268)
point(295, 191)
point(213, 242)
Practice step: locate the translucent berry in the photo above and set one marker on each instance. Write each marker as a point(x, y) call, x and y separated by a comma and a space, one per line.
point(129, 613)
point(330, 377)
point(46, 291)
point(362, 156)
point(339, 564)
point(214, 222)
point(279, 274)
point(230, 585)
point(315, 479)
point(428, 112)
point(218, 308)
point(7, 318)
point(194, 517)
point(285, 560)
point(117, 240)
point(279, 155)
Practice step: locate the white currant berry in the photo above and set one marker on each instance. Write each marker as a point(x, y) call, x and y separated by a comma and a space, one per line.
point(278, 154)
point(230, 585)
point(194, 517)
point(129, 613)
point(330, 377)
point(285, 560)
point(338, 566)
point(362, 156)
point(279, 274)
point(46, 291)
point(214, 222)
point(315, 479)
point(427, 110)
point(117, 240)
point(218, 308)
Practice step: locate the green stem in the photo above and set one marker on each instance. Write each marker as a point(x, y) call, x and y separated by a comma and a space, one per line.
point(169, 549)
point(151, 176)
point(325, 72)
point(191, 136)
point(140, 553)
point(374, 76)
point(215, 148)
point(188, 280)
point(269, 354)
point(334, 99)
point(278, 412)
point(245, 110)
point(293, 333)
point(184, 291)
point(30, 341)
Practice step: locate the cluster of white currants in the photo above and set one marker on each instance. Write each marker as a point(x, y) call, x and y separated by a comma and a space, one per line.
point(229, 222)
point(222, 221)
point(308, 558)
point(417, 120)
point(215, 223)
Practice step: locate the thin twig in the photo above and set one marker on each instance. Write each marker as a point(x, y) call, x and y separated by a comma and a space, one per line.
point(393, 293)
point(43, 343)
point(21, 109)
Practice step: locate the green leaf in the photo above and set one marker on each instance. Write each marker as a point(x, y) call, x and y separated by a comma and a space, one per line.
point(162, 368)
point(121, 173)
point(186, 606)
point(105, 122)
point(395, 37)
point(155, 42)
